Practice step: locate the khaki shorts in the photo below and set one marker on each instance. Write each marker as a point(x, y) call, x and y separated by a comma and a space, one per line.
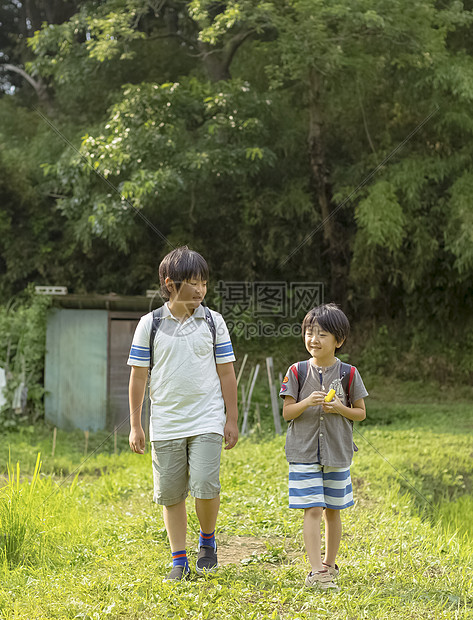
point(191, 463)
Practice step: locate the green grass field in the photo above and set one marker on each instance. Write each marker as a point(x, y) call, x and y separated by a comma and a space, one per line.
point(89, 543)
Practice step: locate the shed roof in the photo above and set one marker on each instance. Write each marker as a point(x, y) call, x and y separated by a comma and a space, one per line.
point(111, 301)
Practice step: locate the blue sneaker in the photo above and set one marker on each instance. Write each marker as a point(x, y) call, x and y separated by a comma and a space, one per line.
point(206, 560)
point(178, 573)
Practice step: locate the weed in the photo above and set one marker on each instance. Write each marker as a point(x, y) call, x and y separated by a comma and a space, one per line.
point(20, 519)
point(98, 549)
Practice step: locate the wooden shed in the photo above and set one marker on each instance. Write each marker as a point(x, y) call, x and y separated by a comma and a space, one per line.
point(86, 373)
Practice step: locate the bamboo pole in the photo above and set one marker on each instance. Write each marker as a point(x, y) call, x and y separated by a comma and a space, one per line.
point(274, 396)
point(258, 417)
point(243, 397)
point(245, 391)
point(248, 399)
point(54, 441)
point(86, 434)
point(240, 372)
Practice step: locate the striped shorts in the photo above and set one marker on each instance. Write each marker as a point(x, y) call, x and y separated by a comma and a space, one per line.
point(312, 484)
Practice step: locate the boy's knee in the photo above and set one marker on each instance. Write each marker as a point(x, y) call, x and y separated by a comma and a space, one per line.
point(331, 515)
point(315, 512)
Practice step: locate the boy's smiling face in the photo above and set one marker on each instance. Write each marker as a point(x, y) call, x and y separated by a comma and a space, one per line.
point(190, 295)
point(321, 344)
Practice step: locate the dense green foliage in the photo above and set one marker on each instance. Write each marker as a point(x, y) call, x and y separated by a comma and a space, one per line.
point(93, 545)
point(307, 141)
point(22, 351)
point(212, 119)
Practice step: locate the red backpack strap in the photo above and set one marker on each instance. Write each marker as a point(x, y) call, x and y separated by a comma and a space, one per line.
point(350, 380)
point(347, 372)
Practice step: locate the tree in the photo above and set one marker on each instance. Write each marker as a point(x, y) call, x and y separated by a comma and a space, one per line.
point(20, 21)
point(241, 128)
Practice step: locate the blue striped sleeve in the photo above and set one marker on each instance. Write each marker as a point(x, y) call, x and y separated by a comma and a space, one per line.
point(223, 349)
point(139, 349)
point(139, 354)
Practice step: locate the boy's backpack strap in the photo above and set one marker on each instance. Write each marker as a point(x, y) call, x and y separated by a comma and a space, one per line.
point(157, 316)
point(213, 329)
point(301, 370)
point(347, 372)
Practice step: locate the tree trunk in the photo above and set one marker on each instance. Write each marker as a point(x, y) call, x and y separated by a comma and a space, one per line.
point(38, 85)
point(333, 242)
point(217, 61)
point(215, 65)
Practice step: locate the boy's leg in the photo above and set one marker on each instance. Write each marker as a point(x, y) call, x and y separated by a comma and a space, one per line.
point(312, 522)
point(170, 491)
point(204, 469)
point(175, 521)
point(207, 512)
point(338, 492)
point(333, 535)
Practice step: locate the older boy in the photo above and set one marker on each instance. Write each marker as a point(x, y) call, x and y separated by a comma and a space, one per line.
point(192, 384)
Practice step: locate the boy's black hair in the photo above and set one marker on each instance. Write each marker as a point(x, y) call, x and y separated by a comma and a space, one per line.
point(179, 265)
point(330, 318)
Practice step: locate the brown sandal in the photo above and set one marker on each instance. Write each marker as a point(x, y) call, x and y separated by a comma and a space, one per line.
point(320, 579)
point(333, 570)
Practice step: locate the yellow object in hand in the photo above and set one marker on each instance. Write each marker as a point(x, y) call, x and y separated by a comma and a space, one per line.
point(329, 396)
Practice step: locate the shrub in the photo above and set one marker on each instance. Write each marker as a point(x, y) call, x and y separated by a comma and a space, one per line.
point(22, 350)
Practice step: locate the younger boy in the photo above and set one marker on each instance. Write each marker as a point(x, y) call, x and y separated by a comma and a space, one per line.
point(191, 385)
point(319, 441)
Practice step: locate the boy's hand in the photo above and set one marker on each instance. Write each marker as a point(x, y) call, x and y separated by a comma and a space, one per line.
point(137, 440)
point(333, 405)
point(316, 398)
point(230, 434)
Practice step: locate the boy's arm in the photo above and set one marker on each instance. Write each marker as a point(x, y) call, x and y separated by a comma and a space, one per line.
point(293, 409)
point(136, 393)
point(227, 378)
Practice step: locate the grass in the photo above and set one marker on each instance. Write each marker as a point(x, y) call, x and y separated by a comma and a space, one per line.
point(101, 549)
point(20, 520)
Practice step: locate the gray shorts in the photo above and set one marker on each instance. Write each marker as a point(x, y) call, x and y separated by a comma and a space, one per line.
point(191, 463)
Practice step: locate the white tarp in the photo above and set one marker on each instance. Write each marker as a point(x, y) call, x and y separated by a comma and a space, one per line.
point(3, 384)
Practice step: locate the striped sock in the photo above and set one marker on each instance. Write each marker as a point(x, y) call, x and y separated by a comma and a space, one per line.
point(179, 558)
point(207, 540)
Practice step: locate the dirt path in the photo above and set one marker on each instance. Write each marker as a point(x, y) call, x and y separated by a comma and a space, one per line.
point(235, 549)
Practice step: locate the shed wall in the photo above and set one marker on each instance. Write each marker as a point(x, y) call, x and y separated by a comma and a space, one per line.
point(76, 369)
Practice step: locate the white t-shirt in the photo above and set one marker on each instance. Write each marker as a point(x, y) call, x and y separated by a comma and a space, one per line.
point(185, 391)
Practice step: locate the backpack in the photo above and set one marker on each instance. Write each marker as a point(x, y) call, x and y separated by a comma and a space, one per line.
point(158, 315)
point(347, 372)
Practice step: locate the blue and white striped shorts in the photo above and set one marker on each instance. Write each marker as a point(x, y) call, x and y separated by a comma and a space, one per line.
point(312, 484)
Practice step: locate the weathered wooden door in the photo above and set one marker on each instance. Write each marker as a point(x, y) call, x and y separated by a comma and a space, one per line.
point(121, 335)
